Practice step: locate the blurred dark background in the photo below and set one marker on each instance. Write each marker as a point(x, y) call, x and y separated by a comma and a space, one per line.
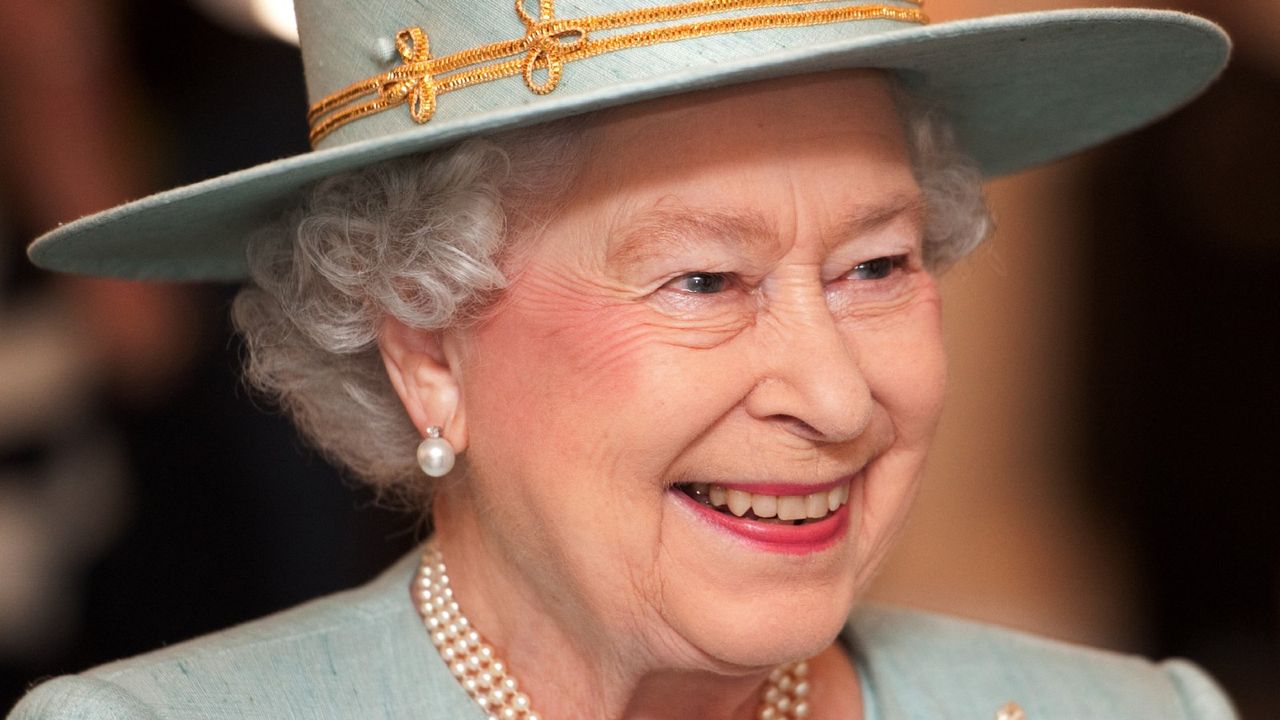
point(154, 499)
point(1106, 472)
point(1183, 298)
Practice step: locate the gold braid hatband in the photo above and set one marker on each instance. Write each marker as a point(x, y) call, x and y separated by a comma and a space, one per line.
point(549, 43)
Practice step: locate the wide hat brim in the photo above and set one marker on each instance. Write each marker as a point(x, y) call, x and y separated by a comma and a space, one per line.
point(1020, 90)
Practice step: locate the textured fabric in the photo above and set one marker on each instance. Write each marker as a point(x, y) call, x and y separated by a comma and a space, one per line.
point(917, 666)
point(1020, 90)
point(363, 655)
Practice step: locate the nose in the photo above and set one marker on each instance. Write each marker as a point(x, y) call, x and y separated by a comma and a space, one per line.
point(810, 377)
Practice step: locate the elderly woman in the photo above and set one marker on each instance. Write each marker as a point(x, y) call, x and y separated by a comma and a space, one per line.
point(651, 332)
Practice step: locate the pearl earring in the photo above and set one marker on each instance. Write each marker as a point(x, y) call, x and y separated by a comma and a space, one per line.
point(435, 454)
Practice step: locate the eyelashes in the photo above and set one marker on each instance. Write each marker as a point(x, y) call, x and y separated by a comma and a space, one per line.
point(879, 268)
point(707, 282)
point(701, 282)
point(716, 305)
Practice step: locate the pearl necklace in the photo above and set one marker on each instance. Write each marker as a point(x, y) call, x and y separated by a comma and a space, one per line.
point(484, 676)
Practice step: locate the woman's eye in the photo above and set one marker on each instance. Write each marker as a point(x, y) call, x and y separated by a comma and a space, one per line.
point(700, 282)
point(876, 269)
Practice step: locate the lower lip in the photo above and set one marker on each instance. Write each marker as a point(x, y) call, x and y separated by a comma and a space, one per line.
point(786, 539)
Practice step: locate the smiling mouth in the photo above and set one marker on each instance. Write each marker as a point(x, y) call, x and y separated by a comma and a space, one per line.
point(771, 509)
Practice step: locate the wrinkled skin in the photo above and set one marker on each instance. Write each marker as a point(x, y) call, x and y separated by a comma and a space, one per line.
point(808, 348)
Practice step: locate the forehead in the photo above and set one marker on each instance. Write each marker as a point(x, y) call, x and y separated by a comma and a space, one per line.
point(752, 159)
point(790, 116)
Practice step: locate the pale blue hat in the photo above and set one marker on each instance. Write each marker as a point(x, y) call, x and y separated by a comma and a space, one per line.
point(1020, 90)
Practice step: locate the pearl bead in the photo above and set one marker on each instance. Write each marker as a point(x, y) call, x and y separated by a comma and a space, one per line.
point(484, 677)
point(435, 456)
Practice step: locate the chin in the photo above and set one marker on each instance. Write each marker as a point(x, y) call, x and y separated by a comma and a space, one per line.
point(767, 632)
point(753, 625)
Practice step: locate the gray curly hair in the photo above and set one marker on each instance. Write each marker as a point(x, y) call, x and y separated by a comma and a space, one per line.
point(425, 240)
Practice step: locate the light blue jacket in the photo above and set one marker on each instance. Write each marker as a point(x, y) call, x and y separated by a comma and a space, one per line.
point(363, 655)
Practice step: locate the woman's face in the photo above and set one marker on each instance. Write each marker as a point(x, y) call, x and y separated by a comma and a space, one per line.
point(732, 295)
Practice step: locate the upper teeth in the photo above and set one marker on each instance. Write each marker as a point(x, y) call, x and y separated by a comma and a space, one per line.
point(783, 507)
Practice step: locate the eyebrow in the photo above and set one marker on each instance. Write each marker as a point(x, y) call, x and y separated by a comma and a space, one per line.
point(869, 218)
point(659, 231)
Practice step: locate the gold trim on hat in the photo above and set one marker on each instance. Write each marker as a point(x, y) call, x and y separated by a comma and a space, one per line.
point(550, 43)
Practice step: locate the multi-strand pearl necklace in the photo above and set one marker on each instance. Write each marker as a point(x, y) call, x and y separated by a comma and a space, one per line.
point(484, 676)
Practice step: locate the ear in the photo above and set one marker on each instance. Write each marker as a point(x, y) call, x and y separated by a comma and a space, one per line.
point(422, 366)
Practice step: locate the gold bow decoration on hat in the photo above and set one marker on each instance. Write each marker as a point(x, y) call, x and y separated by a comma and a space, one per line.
point(420, 87)
point(550, 43)
point(546, 39)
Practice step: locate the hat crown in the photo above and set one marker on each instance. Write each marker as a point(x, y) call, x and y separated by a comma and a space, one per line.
point(554, 48)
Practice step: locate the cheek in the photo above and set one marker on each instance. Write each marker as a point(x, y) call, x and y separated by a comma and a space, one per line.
point(905, 367)
point(570, 399)
point(553, 370)
point(584, 373)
